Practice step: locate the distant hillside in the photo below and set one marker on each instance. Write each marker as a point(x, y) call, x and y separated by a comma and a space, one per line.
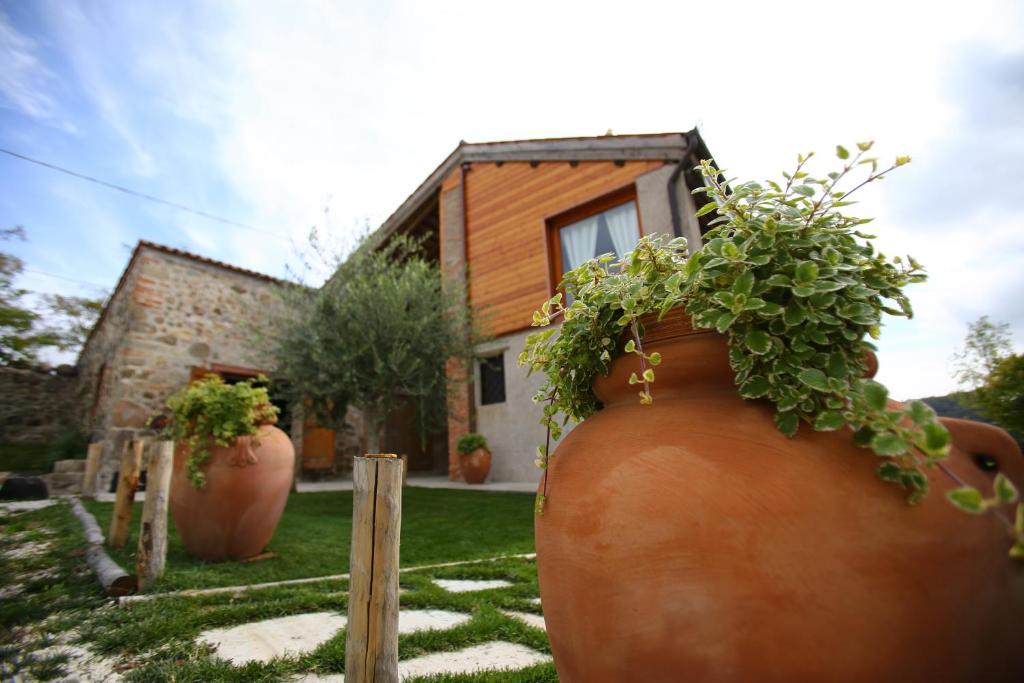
point(947, 406)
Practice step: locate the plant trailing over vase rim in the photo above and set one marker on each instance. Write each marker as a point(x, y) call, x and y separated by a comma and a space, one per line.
point(469, 442)
point(211, 411)
point(797, 289)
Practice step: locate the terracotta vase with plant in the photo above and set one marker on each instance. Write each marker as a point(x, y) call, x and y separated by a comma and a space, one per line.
point(722, 513)
point(232, 468)
point(474, 458)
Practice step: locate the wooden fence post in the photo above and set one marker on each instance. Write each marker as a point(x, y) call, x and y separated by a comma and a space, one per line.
point(152, 553)
point(127, 482)
point(92, 467)
point(371, 641)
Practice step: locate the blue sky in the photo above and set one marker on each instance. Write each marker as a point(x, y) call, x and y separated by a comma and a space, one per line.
point(288, 115)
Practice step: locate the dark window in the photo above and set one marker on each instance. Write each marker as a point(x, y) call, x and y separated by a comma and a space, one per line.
point(492, 379)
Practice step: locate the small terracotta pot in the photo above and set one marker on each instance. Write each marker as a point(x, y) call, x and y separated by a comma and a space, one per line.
point(234, 516)
point(475, 465)
point(689, 540)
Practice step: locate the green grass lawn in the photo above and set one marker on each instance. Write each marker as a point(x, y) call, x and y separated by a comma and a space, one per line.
point(26, 458)
point(155, 640)
point(438, 525)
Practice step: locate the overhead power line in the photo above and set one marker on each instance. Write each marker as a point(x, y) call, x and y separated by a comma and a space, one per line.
point(143, 195)
point(63, 277)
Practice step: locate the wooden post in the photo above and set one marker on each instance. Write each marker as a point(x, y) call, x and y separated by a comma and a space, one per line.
point(128, 481)
point(152, 553)
point(92, 467)
point(371, 641)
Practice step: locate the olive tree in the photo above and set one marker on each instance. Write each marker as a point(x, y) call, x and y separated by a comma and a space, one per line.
point(377, 337)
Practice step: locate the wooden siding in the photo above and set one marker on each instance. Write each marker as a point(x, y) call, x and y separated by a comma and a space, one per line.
point(507, 208)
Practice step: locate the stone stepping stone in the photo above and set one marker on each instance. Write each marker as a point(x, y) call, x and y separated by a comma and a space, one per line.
point(489, 656)
point(534, 620)
point(496, 654)
point(469, 586)
point(26, 505)
point(410, 621)
point(262, 641)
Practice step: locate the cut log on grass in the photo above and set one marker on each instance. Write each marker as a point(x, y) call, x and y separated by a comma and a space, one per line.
point(371, 645)
point(114, 580)
point(127, 482)
point(152, 552)
point(92, 468)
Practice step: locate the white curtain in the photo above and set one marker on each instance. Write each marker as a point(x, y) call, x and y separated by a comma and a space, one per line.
point(623, 227)
point(579, 242)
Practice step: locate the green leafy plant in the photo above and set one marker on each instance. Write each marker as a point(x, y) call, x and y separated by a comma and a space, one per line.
point(468, 443)
point(794, 285)
point(210, 411)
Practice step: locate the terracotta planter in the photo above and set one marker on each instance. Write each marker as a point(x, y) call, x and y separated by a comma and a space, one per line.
point(689, 540)
point(234, 516)
point(475, 466)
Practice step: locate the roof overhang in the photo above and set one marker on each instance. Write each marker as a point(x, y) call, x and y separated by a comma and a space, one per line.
point(670, 147)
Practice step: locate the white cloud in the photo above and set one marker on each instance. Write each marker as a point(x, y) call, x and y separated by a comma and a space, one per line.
point(298, 107)
point(24, 78)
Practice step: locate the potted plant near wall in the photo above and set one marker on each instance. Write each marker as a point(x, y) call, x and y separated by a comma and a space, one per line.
point(725, 510)
point(232, 468)
point(474, 458)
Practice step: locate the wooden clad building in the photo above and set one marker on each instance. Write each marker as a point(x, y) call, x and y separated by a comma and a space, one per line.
point(507, 219)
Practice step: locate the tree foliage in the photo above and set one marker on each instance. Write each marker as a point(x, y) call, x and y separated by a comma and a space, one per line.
point(987, 343)
point(994, 374)
point(73, 317)
point(376, 336)
point(63, 322)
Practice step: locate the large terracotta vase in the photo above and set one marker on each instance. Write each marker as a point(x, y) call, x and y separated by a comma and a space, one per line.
point(689, 540)
point(234, 516)
point(475, 465)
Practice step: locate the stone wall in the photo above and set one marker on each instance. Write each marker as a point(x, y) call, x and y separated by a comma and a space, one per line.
point(36, 406)
point(171, 313)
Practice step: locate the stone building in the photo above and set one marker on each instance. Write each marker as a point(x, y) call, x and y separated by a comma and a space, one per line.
point(173, 316)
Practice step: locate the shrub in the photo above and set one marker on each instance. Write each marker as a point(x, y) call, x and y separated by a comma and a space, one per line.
point(470, 442)
point(71, 445)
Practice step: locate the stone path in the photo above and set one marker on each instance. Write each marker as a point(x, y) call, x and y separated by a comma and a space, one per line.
point(528, 618)
point(262, 641)
point(190, 593)
point(461, 586)
point(491, 656)
point(265, 640)
point(26, 505)
point(487, 657)
point(426, 481)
